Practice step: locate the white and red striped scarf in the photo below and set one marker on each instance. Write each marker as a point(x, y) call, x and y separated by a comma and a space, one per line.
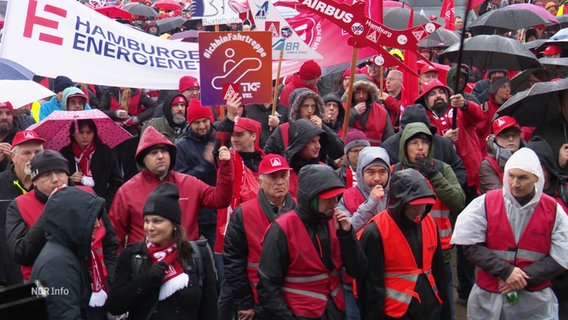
point(175, 278)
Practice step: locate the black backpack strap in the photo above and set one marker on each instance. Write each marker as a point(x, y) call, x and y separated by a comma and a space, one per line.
point(196, 256)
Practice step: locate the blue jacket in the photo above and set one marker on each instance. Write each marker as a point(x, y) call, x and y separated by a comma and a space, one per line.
point(189, 160)
point(52, 105)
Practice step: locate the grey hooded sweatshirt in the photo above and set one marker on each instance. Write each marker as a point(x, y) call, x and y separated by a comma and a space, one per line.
point(368, 156)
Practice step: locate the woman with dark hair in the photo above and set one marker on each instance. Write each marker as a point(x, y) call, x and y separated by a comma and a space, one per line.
point(91, 162)
point(164, 276)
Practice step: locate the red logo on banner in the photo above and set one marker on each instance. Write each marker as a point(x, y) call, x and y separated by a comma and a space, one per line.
point(230, 88)
point(32, 19)
point(273, 27)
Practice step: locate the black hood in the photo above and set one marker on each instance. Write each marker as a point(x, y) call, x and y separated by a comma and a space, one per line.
point(300, 133)
point(168, 110)
point(416, 113)
point(313, 179)
point(332, 96)
point(546, 156)
point(407, 185)
point(70, 216)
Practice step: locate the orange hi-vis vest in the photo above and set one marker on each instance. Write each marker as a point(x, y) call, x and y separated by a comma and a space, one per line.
point(534, 244)
point(255, 224)
point(308, 283)
point(441, 215)
point(401, 270)
point(439, 212)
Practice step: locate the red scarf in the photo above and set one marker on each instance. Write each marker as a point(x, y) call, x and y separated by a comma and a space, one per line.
point(83, 157)
point(97, 267)
point(175, 278)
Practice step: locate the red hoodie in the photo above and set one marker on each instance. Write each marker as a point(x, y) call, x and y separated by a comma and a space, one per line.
point(126, 210)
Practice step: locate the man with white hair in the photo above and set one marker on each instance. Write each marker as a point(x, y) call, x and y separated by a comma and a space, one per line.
point(518, 245)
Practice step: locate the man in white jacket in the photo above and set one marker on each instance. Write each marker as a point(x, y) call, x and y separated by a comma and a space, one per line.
point(517, 237)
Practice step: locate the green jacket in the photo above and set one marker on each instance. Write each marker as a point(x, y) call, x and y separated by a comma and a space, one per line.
point(445, 182)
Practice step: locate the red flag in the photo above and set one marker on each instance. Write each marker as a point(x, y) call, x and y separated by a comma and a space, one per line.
point(471, 4)
point(409, 80)
point(448, 14)
point(374, 10)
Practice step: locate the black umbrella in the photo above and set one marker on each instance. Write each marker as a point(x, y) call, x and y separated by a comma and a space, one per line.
point(521, 81)
point(508, 18)
point(557, 67)
point(139, 9)
point(441, 38)
point(535, 44)
point(535, 106)
point(493, 51)
point(397, 18)
point(168, 24)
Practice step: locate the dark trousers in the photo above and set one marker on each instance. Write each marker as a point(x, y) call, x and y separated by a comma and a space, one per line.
point(465, 269)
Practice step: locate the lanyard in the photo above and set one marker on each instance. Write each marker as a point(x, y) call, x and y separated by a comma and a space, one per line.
point(17, 184)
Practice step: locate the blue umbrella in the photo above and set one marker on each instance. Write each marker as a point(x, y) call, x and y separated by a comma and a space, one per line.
point(560, 35)
point(17, 86)
point(10, 70)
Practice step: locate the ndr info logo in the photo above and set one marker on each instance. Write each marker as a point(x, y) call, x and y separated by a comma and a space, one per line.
point(49, 291)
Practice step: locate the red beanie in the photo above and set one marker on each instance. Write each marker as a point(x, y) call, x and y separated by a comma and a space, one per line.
point(309, 70)
point(187, 82)
point(347, 72)
point(196, 111)
point(7, 105)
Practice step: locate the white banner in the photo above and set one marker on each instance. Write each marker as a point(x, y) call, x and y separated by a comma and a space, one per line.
point(64, 37)
point(214, 12)
point(267, 18)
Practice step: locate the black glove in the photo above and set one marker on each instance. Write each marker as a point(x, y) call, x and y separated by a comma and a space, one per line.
point(428, 167)
point(156, 273)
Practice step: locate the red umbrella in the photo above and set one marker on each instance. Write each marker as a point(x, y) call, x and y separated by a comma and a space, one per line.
point(114, 12)
point(55, 128)
point(167, 5)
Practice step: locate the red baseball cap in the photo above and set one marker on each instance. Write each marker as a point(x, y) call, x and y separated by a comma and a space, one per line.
point(428, 68)
point(426, 200)
point(271, 163)
point(246, 124)
point(330, 193)
point(551, 49)
point(22, 137)
point(502, 123)
point(7, 105)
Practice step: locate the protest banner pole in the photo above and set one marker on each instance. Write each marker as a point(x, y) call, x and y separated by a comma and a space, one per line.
point(349, 92)
point(460, 56)
point(381, 80)
point(276, 83)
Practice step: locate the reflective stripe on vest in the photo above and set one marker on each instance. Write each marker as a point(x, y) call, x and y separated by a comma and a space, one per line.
point(312, 278)
point(533, 245)
point(519, 254)
point(401, 269)
point(308, 284)
point(441, 215)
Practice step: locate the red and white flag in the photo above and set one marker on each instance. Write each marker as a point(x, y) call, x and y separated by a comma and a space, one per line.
point(448, 13)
